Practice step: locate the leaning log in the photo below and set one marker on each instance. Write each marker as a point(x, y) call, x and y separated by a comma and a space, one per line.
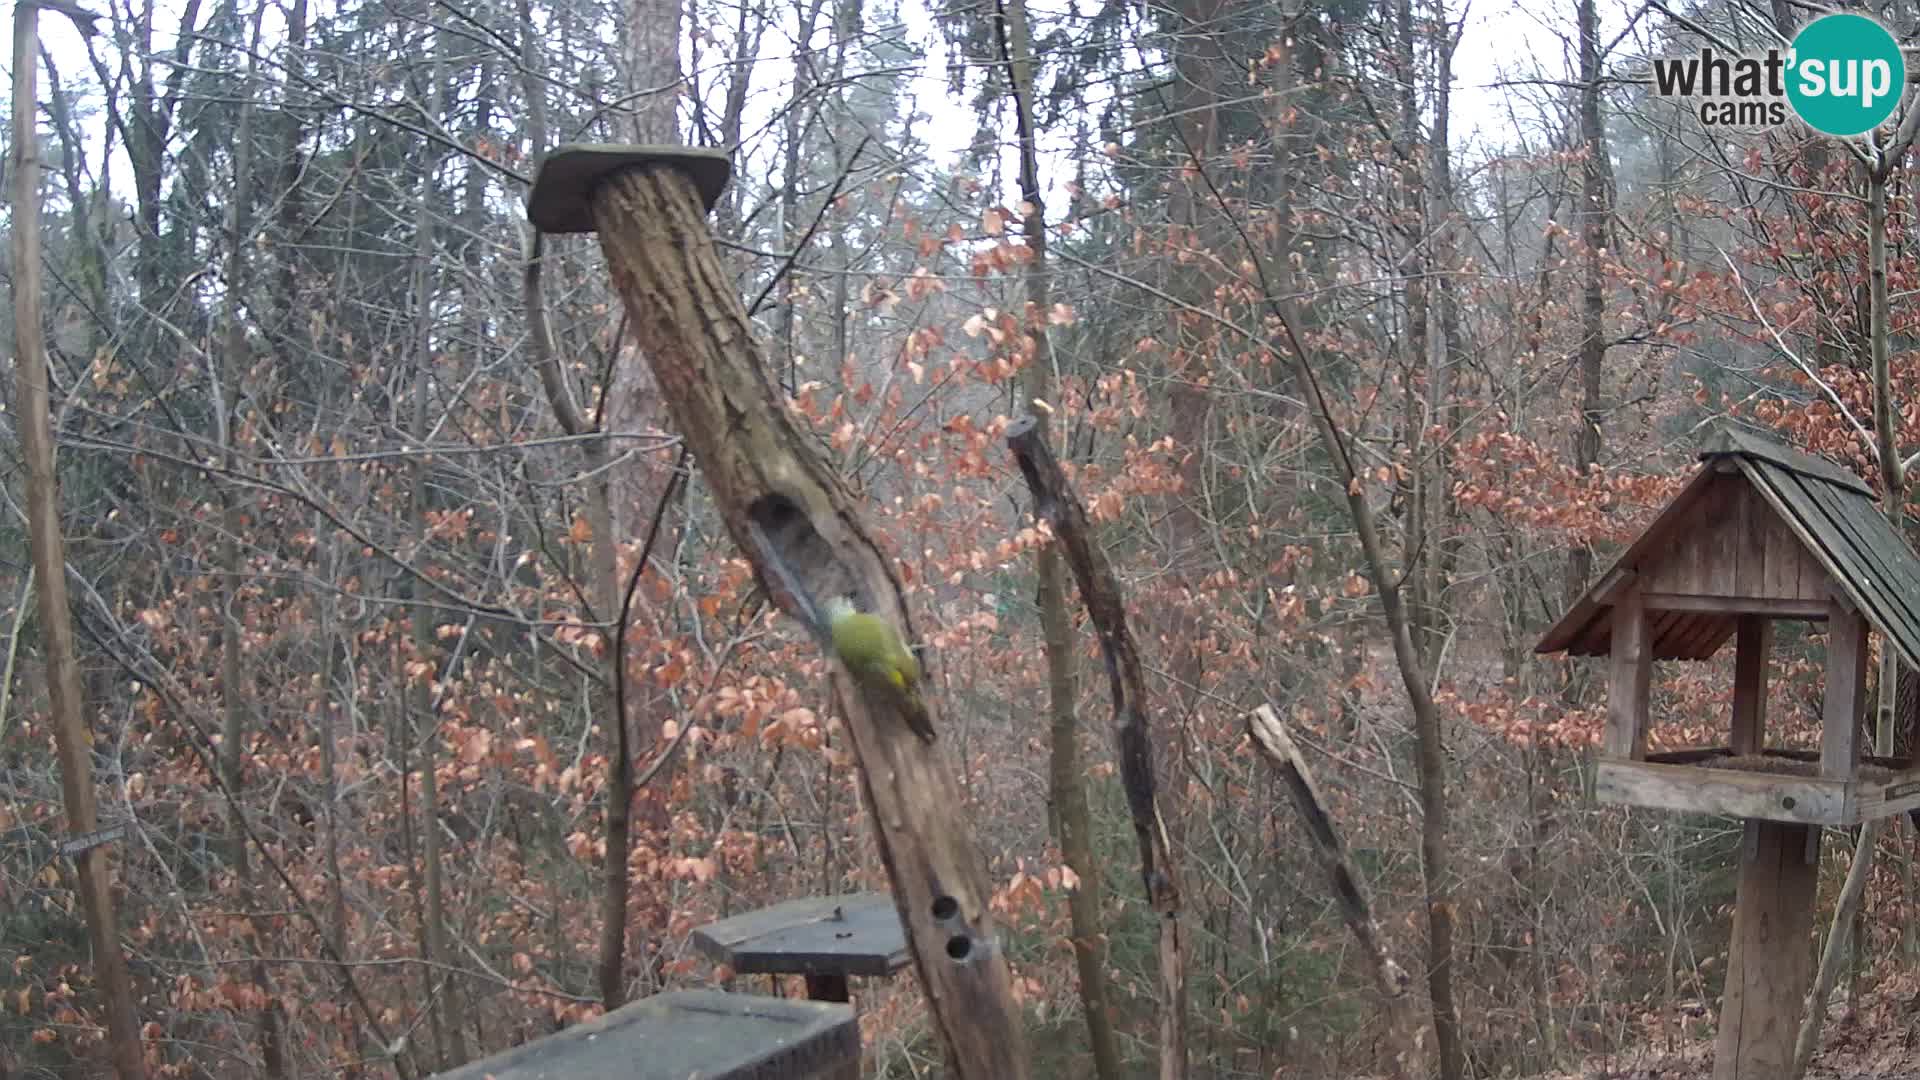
point(802, 530)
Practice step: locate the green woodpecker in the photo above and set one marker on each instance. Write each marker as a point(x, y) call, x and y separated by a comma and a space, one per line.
point(875, 655)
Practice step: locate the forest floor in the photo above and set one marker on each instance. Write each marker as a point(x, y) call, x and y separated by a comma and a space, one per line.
point(1877, 1038)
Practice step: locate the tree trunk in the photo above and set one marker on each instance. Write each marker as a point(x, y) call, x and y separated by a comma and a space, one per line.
point(448, 1032)
point(1066, 779)
point(1429, 736)
point(1595, 175)
point(1415, 369)
point(33, 417)
point(232, 677)
point(632, 406)
point(802, 532)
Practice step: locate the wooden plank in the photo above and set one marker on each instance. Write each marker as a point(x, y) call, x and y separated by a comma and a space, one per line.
point(1631, 672)
point(1691, 755)
point(1702, 635)
point(704, 1033)
point(1791, 509)
point(1769, 963)
point(1611, 583)
point(1900, 567)
point(1846, 692)
point(1884, 555)
point(1801, 509)
point(1660, 628)
point(1723, 630)
point(1784, 555)
point(1789, 608)
point(1752, 648)
point(1697, 789)
point(1597, 637)
point(1717, 544)
point(1684, 563)
point(1898, 795)
point(1751, 519)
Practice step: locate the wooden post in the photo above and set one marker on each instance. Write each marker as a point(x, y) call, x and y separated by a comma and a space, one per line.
point(1770, 960)
point(1845, 693)
point(1752, 643)
point(794, 519)
point(828, 988)
point(1630, 678)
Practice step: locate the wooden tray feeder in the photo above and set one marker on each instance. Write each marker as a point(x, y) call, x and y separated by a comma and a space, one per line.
point(826, 939)
point(1762, 532)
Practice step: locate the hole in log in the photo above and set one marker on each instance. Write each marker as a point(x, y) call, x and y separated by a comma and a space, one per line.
point(945, 907)
point(959, 946)
point(1786, 802)
point(797, 559)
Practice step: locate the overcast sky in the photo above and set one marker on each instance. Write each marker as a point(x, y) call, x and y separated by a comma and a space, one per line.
point(1505, 41)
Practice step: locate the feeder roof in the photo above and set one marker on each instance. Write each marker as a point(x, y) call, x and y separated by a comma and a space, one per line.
point(1834, 516)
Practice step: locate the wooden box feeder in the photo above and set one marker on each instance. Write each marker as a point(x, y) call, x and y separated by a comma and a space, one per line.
point(693, 1033)
point(1761, 533)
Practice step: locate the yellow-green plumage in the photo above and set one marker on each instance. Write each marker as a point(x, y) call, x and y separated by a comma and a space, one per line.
point(875, 655)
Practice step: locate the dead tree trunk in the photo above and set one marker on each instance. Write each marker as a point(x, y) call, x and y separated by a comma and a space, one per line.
point(799, 527)
point(1066, 780)
point(1055, 503)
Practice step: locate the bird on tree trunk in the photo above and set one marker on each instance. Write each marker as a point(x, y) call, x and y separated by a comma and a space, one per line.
point(874, 654)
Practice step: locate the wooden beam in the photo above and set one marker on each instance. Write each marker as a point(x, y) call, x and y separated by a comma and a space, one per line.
point(1631, 675)
point(1753, 642)
point(1777, 608)
point(1845, 692)
point(1899, 794)
point(1697, 789)
point(1616, 579)
point(1769, 963)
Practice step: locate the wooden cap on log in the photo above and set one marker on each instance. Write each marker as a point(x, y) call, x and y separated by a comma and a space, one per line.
point(560, 201)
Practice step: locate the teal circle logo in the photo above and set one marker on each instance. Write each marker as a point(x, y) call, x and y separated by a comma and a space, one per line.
point(1847, 75)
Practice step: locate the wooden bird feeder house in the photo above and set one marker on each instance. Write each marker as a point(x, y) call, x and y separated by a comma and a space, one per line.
point(1761, 533)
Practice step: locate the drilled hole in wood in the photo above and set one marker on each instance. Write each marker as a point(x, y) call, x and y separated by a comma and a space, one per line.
point(945, 907)
point(1786, 802)
point(959, 946)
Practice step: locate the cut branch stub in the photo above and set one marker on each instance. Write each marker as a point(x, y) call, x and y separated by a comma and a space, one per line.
point(1271, 739)
point(798, 525)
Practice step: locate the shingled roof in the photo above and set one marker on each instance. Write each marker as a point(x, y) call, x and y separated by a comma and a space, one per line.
point(1832, 514)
